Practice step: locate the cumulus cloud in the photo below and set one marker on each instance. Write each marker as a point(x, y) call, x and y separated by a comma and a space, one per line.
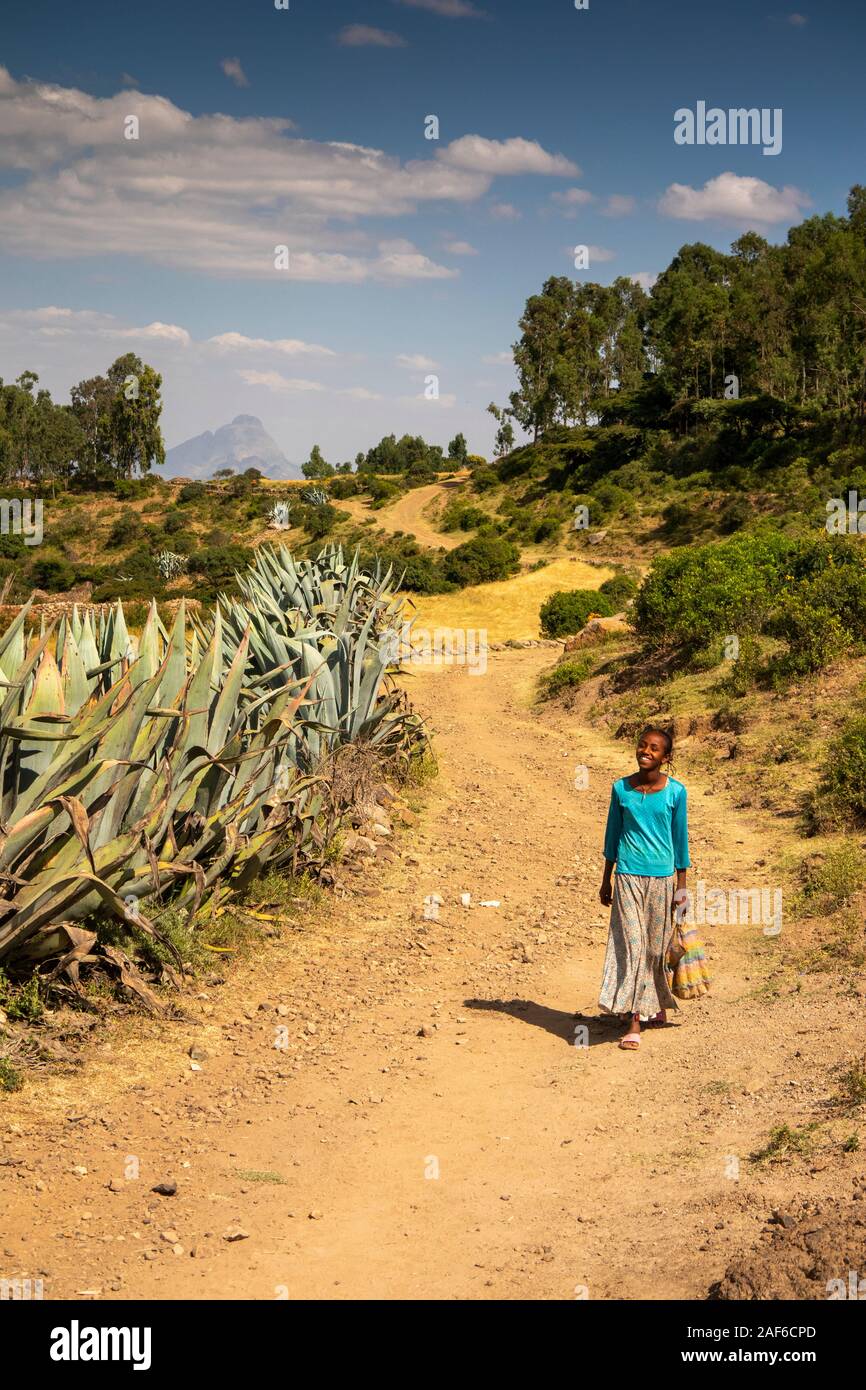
point(645, 278)
point(292, 347)
point(505, 212)
point(366, 36)
point(52, 321)
point(232, 68)
point(619, 205)
point(512, 156)
point(415, 362)
point(217, 194)
point(573, 197)
point(461, 248)
point(275, 381)
point(734, 198)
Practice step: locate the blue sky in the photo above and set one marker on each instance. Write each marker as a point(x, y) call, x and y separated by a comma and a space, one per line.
point(409, 257)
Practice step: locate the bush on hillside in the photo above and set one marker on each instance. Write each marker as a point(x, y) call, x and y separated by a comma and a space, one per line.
point(694, 595)
point(481, 560)
point(840, 797)
point(567, 611)
point(483, 479)
point(52, 572)
point(344, 485)
point(567, 675)
point(621, 589)
point(127, 527)
point(810, 593)
point(217, 564)
point(191, 492)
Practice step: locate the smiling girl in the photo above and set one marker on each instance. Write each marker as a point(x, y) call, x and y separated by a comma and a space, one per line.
point(647, 840)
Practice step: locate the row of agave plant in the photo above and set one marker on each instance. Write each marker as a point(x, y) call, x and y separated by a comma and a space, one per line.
point(143, 772)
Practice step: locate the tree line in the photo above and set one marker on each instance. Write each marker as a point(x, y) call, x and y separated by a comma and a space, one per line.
point(786, 321)
point(109, 430)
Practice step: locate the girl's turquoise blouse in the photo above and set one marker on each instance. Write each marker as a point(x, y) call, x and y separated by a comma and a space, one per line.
point(647, 833)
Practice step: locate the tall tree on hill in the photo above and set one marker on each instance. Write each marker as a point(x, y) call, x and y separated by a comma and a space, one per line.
point(136, 438)
point(544, 392)
point(458, 450)
point(316, 466)
point(690, 320)
point(119, 416)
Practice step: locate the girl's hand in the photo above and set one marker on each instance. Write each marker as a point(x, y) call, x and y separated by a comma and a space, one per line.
point(605, 893)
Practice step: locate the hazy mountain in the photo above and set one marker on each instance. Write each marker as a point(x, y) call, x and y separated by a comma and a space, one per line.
point(245, 443)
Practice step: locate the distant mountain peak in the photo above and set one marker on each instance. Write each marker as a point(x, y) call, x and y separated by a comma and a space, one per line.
point(245, 443)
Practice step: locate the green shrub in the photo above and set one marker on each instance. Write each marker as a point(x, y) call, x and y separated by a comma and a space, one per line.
point(381, 490)
point(483, 479)
point(566, 675)
point(10, 1077)
point(12, 546)
point(735, 515)
point(318, 521)
point(344, 485)
point(460, 516)
point(692, 596)
point(832, 883)
point(127, 527)
point(840, 797)
point(191, 492)
point(567, 611)
point(481, 560)
point(52, 572)
point(217, 564)
point(21, 1003)
point(815, 636)
point(621, 589)
point(546, 530)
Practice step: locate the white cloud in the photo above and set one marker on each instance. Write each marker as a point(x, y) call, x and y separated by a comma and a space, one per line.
point(645, 278)
point(596, 253)
point(573, 197)
point(400, 261)
point(505, 212)
point(415, 362)
point(292, 347)
point(499, 359)
point(216, 194)
point(54, 321)
point(275, 381)
point(365, 36)
point(452, 9)
point(232, 68)
point(447, 400)
point(360, 393)
point(512, 156)
point(619, 205)
point(461, 248)
point(734, 198)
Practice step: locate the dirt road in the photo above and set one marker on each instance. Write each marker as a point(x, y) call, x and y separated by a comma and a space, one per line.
point(407, 514)
point(490, 1158)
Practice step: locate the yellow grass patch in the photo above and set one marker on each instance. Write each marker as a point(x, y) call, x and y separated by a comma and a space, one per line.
point(510, 607)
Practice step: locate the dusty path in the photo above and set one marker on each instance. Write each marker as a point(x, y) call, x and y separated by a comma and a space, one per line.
point(407, 514)
point(490, 1159)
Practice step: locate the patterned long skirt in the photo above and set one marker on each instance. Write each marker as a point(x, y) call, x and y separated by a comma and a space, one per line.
point(634, 980)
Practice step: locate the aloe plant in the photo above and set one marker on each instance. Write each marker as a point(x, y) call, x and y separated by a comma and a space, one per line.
point(142, 771)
